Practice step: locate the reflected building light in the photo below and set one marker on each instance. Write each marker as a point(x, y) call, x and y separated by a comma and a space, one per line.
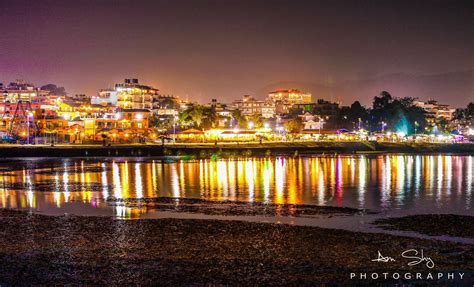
point(362, 180)
point(30, 195)
point(418, 172)
point(469, 183)
point(279, 180)
point(121, 212)
point(65, 184)
point(351, 163)
point(174, 181)
point(321, 189)
point(267, 175)
point(409, 173)
point(154, 177)
point(338, 181)
point(202, 177)
point(138, 181)
point(386, 181)
point(116, 180)
point(212, 178)
point(401, 171)
point(449, 173)
point(430, 176)
point(182, 178)
point(249, 175)
point(240, 178)
point(222, 180)
point(105, 184)
point(440, 179)
point(232, 179)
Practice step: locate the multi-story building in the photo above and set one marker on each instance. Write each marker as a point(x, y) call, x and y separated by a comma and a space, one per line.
point(268, 110)
point(285, 99)
point(320, 108)
point(20, 91)
point(106, 96)
point(435, 111)
point(291, 96)
point(128, 95)
point(249, 106)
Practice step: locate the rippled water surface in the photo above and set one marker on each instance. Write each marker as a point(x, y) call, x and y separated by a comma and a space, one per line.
point(406, 183)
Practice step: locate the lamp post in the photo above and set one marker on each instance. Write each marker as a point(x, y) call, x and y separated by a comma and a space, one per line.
point(383, 126)
point(319, 126)
point(29, 115)
point(174, 129)
point(416, 125)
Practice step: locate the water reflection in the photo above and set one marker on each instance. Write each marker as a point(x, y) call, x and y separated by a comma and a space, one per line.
point(424, 183)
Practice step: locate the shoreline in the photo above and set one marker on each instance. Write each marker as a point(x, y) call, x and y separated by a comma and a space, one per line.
point(103, 250)
point(226, 150)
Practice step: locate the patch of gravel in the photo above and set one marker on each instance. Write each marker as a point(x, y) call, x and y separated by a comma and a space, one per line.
point(227, 207)
point(432, 224)
point(73, 250)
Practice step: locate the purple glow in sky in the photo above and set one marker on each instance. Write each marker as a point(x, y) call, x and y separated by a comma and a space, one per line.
point(203, 49)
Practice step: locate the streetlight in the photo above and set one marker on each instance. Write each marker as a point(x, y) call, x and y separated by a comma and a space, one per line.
point(174, 129)
point(383, 126)
point(28, 127)
point(416, 125)
point(320, 125)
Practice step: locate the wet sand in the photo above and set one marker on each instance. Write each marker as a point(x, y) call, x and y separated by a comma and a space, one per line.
point(38, 249)
point(432, 224)
point(228, 207)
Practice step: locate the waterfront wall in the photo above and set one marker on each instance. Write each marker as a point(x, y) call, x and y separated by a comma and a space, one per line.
point(230, 150)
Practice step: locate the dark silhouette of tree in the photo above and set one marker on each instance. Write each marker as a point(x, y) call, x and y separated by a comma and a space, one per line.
point(399, 114)
point(54, 90)
point(294, 125)
point(198, 116)
point(470, 111)
point(238, 119)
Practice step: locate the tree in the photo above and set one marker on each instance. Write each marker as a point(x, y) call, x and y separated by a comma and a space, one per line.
point(399, 114)
point(470, 111)
point(198, 116)
point(348, 117)
point(154, 121)
point(239, 120)
point(54, 90)
point(294, 125)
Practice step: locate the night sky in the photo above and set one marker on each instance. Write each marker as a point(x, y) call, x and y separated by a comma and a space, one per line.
point(224, 49)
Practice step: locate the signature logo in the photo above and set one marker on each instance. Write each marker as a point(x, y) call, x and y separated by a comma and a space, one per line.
point(382, 258)
point(414, 255)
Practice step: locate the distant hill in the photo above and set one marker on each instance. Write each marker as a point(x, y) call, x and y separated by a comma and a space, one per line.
point(456, 88)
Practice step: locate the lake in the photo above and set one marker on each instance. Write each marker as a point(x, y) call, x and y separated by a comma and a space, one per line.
point(390, 183)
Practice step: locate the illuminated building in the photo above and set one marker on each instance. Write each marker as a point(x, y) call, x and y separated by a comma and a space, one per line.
point(105, 97)
point(268, 110)
point(320, 108)
point(285, 99)
point(20, 90)
point(249, 106)
point(435, 111)
point(128, 95)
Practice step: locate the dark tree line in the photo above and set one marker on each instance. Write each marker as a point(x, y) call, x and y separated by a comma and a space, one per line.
point(386, 113)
